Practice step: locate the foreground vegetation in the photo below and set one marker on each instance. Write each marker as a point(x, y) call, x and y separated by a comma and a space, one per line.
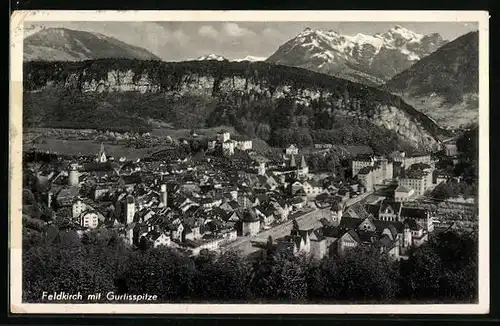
point(444, 270)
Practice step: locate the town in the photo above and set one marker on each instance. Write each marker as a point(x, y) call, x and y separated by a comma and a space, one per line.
point(233, 198)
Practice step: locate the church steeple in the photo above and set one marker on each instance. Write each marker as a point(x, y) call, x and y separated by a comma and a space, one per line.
point(303, 163)
point(101, 157)
point(292, 162)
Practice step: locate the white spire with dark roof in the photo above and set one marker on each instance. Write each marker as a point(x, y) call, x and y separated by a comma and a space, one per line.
point(102, 154)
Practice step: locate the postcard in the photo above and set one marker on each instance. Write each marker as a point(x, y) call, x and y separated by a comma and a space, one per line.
point(239, 162)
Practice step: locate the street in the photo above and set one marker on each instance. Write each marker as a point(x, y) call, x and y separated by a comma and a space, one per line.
point(309, 220)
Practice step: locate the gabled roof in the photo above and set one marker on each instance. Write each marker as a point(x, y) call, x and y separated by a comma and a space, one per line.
point(249, 216)
point(385, 241)
point(392, 229)
point(395, 206)
point(358, 211)
point(373, 209)
point(354, 235)
point(401, 189)
point(412, 225)
point(381, 225)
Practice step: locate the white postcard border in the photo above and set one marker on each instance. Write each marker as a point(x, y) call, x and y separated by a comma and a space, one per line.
point(15, 154)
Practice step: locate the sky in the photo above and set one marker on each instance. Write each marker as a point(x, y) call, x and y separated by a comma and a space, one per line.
point(177, 41)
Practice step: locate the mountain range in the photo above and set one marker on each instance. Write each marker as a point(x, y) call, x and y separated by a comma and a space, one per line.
point(218, 57)
point(445, 84)
point(369, 59)
point(437, 77)
point(62, 44)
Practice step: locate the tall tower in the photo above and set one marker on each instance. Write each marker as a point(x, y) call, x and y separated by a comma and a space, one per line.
point(303, 166)
point(262, 169)
point(292, 162)
point(336, 213)
point(129, 209)
point(101, 157)
point(164, 197)
point(73, 176)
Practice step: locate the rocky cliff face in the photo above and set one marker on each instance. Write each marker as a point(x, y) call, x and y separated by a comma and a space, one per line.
point(341, 98)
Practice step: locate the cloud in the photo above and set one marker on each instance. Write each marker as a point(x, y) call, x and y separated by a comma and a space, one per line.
point(234, 30)
point(208, 31)
point(180, 37)
point(272, 33)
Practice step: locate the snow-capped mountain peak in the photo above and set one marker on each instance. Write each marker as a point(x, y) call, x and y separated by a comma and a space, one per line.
point(211, 56)
point(379, 56)
point(251, 58)
point(401, 33)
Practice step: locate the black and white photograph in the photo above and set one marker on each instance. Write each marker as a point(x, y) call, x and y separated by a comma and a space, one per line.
point(252, 162)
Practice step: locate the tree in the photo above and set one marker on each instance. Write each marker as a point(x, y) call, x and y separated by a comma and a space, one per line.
point(68, 269)
point(359, 275)
point(224, 277)
point(295, 225)
point(263, 131)
point(161, 271)
point(281, 277)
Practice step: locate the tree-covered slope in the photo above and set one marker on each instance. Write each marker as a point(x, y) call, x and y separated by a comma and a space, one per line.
point(278, 103)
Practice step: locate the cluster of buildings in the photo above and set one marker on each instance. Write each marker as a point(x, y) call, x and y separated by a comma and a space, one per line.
point(414, 174)
point(387, 226)
point(192, 204)
point(204, 202)
point(227, 145)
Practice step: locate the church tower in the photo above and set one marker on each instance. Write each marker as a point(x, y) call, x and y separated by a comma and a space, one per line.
point(262, 169)
point(101, 157)
point(129, 209)
point(73, 176)
point(292, 162)
point(303, 166)
point(336, 213)
point(163, 195)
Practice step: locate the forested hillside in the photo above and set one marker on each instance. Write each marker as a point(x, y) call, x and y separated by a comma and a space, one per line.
point(276, 103)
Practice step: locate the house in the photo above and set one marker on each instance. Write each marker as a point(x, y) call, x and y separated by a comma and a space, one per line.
point(88, 219)
point(389, 211)
point(232, 218)
point(192, 233)
point(66, 195)
point(177, 230)
point(266, 215)
point(223, 136)
point(402, 194)
point(292, 150)
point(228, 147)
point(348, 240)
point(312, 187)
point(318, 244)
point(230, 206)
point(415, 180)
point(158, 238)
point(360, 162)
point(296, 186)
point(298, 202)
point(229, 235)
point(250, 223)
point(195, 246)
point(211, 144)
point(242, 143)
point(100, 190)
